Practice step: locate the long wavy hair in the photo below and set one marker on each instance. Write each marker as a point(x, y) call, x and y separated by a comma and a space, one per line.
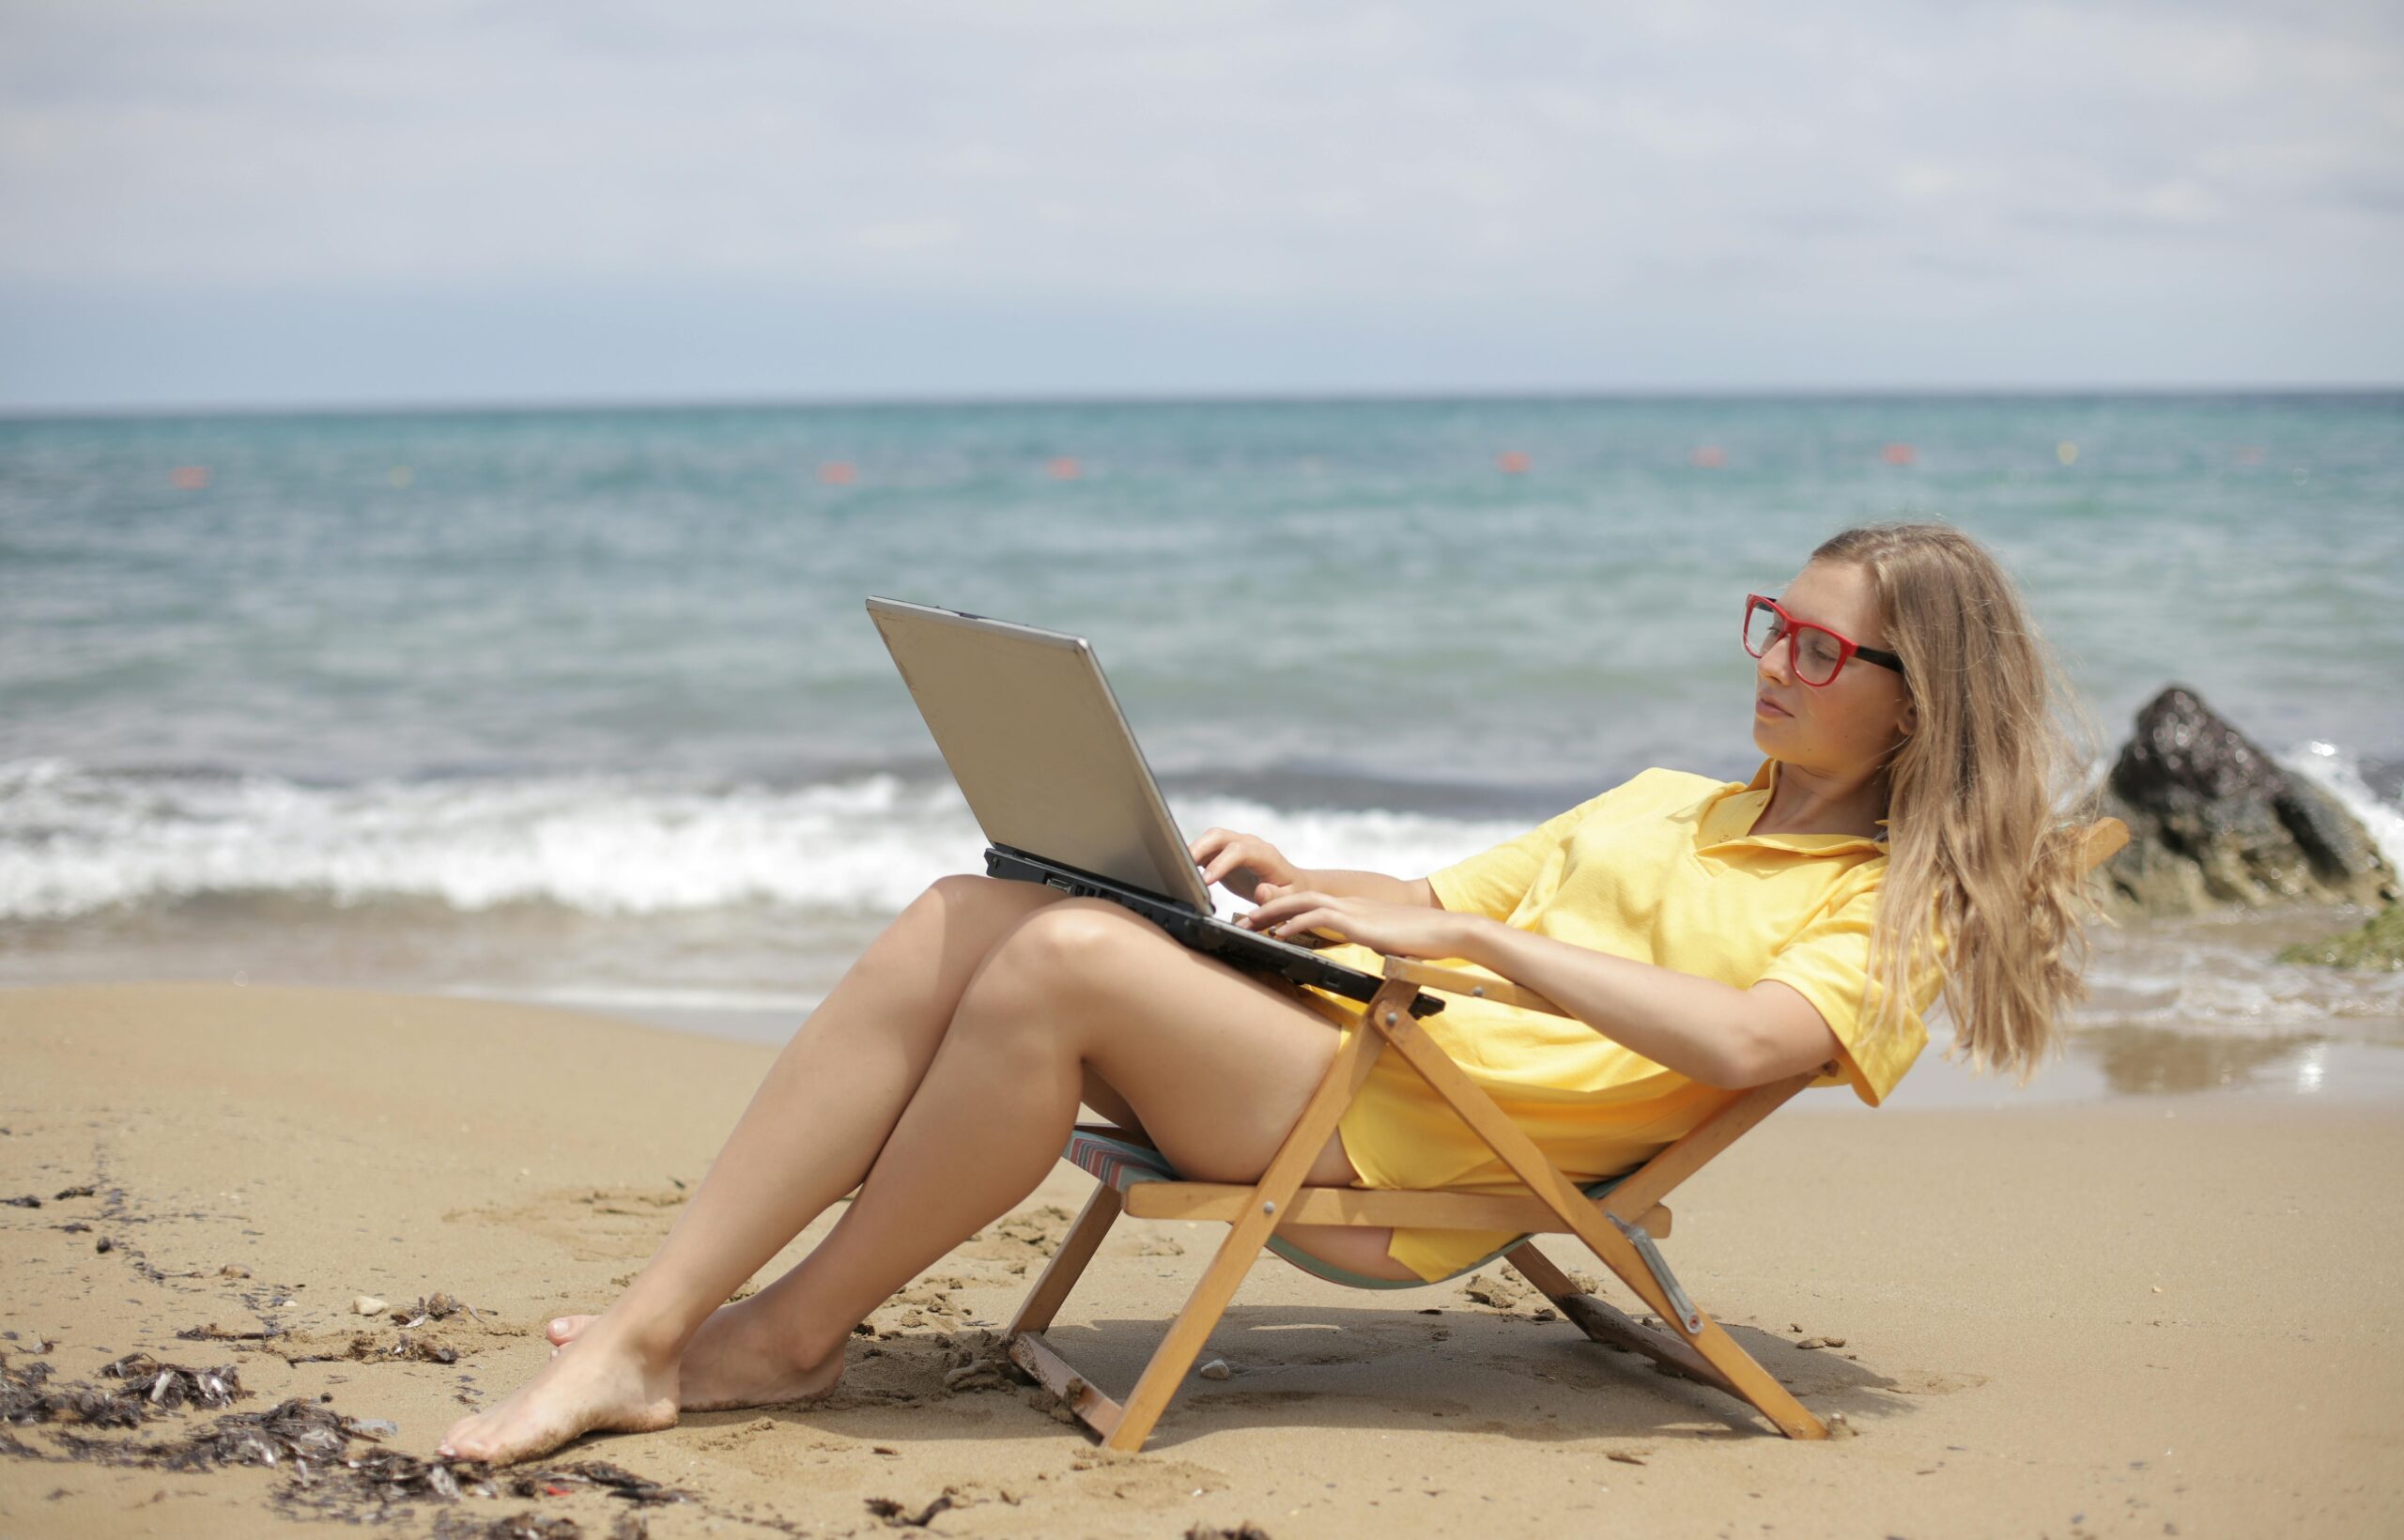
point(1987, 800)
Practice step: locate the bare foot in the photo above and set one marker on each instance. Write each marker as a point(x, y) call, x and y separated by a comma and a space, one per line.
point(734, 1361)
point(602, 1389)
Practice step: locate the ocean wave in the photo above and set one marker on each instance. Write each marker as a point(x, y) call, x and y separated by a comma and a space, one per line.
point(2340, 774)
point(74, 841)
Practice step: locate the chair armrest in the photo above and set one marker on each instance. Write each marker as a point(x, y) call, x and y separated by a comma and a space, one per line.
point(1476, 985)
point(2100, 842)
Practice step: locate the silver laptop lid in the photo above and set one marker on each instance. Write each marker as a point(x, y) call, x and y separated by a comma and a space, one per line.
point(1038, 746)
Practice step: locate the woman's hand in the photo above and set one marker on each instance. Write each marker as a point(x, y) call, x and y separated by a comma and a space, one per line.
point(1401, 930)
point(1247, 865)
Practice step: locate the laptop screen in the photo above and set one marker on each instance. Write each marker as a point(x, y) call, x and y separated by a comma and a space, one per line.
point(1031, 732)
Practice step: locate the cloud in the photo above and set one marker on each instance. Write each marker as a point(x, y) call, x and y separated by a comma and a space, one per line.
point(1503, 161)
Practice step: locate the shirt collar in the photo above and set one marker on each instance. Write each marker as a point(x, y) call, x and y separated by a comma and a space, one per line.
point(1729, 814)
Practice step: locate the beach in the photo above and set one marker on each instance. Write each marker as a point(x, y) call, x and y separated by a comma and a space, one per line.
point(419, 830)
point(2130, 1316)
point(456, 469)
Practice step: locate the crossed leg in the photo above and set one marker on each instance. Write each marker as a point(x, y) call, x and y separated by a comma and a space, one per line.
point(941, 1077)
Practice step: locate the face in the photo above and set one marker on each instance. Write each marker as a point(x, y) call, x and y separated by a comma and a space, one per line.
point(1842, 728)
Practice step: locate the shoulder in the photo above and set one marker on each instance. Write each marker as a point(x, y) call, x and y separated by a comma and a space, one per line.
point(1676, 795)
point(1671, 787)
point(1649, 794)
point(1686, 783)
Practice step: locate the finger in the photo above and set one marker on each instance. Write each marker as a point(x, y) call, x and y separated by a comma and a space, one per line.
point(1311, 927)
point(1314, 923)
point(1282, 906)
point(1300, 919)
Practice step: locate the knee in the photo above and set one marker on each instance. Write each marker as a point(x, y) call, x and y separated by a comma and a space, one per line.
point(967, 908)
point(1049, 958)
point(954, 889)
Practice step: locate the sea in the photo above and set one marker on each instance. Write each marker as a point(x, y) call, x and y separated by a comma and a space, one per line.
point(584, 707)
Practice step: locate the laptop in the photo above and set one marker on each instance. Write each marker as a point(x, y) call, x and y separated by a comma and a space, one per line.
point(1033, 734)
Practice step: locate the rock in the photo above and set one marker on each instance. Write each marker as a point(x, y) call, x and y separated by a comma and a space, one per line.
point(2376, 943)
point(2214, 823)
point(1499, 1292)
point(367, 1305)
point(1216, 1369)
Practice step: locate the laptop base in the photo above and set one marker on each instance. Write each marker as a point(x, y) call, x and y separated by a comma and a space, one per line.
point(1246, 950)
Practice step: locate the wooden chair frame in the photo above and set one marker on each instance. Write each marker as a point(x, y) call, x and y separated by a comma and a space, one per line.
point(1619, 1229)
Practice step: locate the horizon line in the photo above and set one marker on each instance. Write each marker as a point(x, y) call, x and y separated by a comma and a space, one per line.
point(1003, 399)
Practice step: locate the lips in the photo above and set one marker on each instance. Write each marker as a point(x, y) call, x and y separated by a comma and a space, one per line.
point(1765, 703)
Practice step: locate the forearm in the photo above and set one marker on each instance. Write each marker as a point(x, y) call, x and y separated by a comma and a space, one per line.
point(1698, 1027)
point(1375, 886)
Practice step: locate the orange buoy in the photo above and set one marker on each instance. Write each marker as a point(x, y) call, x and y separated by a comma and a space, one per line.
point(1709, 456)
point(1898, 454)
point(190, 478)
point(837, 473)
point(1512, 462)
point(1065, 467)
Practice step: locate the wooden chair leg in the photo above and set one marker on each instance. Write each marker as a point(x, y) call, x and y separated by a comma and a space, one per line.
point(1581, 1218)
point(1247, 1235)
point(1061, 1274)
point(1602, 1323)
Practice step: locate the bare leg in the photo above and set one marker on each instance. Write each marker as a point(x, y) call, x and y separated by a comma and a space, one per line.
point(824, 1108)
point(1216, 1064)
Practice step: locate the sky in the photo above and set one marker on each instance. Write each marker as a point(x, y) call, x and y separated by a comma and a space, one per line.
point(265, 203)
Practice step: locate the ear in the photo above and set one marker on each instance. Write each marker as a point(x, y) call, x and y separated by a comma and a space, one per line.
point(1909, 723)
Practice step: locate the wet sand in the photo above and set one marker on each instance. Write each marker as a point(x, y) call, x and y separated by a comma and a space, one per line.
point(2131, 1316)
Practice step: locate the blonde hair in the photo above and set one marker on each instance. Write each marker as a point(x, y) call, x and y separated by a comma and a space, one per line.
point(1987, 800)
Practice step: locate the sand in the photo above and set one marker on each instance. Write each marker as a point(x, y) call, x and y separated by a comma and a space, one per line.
point(2141, 1316)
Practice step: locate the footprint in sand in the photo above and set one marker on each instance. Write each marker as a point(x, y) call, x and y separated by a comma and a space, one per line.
point(1147, 1481)
point(592, 1223)
point(1933, 1381)
point(1032, 1234)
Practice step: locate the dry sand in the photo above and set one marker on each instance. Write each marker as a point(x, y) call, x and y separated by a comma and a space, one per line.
point(2144, 1318)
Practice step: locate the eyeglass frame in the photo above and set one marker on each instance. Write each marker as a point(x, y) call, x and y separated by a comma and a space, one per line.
point(1847, 649)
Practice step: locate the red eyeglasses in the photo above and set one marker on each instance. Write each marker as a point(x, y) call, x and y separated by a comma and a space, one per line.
point(1818, 652)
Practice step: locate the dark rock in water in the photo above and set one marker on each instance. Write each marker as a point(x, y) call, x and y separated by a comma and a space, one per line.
point(2214, 823)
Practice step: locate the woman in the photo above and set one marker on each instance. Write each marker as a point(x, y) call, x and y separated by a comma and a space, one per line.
point(1704, 937)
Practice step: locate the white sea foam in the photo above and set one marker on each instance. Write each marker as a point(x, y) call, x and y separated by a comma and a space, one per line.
point(615, 849)
point(74, 841)
point(2339, 774)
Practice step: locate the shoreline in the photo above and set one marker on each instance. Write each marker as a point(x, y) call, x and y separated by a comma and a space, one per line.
point(2119, 1060)
point(2075, 1319)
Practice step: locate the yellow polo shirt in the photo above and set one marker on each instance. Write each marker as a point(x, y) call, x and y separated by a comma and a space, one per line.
point(1663, 868)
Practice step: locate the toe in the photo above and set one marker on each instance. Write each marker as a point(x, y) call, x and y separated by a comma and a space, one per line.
point(566, 1329)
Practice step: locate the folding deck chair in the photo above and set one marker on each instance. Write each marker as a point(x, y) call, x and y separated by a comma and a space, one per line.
point(1618, 1217)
